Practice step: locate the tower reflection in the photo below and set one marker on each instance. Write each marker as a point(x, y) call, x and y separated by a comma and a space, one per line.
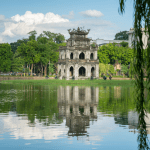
point(79, 106)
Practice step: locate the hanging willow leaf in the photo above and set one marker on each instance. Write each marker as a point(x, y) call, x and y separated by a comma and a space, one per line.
point(141, 61)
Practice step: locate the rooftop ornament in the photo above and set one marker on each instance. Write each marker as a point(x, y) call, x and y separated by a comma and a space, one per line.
point(78, 31)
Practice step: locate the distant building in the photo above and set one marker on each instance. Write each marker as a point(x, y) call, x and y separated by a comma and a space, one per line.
point(101, 42)
point(131, 38)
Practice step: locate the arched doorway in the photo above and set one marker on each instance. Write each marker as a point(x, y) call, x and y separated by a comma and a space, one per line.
point(82, 71)
point(82, 56)
point(92, 71)
point(71, 56)
point(60, 72)
point(91, 56)
point(71, 71)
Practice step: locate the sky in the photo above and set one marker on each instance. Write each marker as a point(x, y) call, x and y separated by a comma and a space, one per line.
point(19, 17)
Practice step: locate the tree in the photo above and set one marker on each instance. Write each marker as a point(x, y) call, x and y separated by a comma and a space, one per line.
point(141, 19)
point(48, 52)
point(15, 45)
point(103, 68)
point(32, 35)
point(121, 36)
point(51, 68)
point(51, 36)
point(17, 63)
point(5, 57)
point(29, 52)
point(110, 52)
point(111, 69)
point(59, 38)
point(124, 69)
point(124, 44)
point(93, 44)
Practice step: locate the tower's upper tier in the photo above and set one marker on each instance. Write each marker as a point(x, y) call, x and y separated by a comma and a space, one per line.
point(79, 33)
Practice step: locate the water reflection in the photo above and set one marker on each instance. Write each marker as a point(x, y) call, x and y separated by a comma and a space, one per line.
point(89, 113)
point(79, 106)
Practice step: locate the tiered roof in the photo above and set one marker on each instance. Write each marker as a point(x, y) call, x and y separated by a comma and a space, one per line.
point(79, 31)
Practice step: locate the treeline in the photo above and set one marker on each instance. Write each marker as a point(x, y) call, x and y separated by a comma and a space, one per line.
point(38, 55)
point(111, 53)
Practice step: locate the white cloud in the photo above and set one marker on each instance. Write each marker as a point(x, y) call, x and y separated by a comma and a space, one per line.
point(70, 16)
point(91, 13)
point(21, 25)
point(18, 26)
point(30, 18)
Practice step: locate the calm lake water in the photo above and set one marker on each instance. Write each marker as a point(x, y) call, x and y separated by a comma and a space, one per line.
point(65, 117)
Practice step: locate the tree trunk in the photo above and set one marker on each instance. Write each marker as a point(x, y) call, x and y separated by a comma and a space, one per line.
point(42, 69)
point(34, 68)
point(49, 67)
point(38, 70)
point(45, 70)
point(31, 69)
point(27, 70)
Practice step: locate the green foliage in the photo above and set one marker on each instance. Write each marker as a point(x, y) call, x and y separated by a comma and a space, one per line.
point(103, 68)
point(124, 69)
point(15, 45)
point(121, 36)
point(17, 63)
point(54, 37)
point(131, 69)
point(111, 69)
point(5, 57)
point(29, 52)
point(106, 68)
point(51, 68)
point(51, 36)
point(59, 38)
point(32, 35)
point(124, 44)
point(141, 19)
point(110, 52)
point(93, 44)
point(62, 44)
point(95, 82)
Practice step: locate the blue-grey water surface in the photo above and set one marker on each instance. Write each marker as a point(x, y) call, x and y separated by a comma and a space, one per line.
point(68, 117)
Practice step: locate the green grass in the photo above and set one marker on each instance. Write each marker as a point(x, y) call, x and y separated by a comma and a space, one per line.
point(99, 82)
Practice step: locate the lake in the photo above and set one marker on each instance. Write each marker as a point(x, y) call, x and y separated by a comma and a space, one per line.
point(69, 117)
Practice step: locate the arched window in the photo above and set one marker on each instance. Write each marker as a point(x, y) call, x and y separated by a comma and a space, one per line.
point(91, 56)
point(92, 71)
point(71, 71)
point(82, 71)
point(82, 56)
point(60, 72)
point(71, 56)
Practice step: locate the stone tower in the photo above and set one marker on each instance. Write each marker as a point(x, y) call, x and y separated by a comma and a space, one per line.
point(78, 59)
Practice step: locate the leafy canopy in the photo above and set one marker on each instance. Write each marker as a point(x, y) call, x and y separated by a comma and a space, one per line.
point(5, 57)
